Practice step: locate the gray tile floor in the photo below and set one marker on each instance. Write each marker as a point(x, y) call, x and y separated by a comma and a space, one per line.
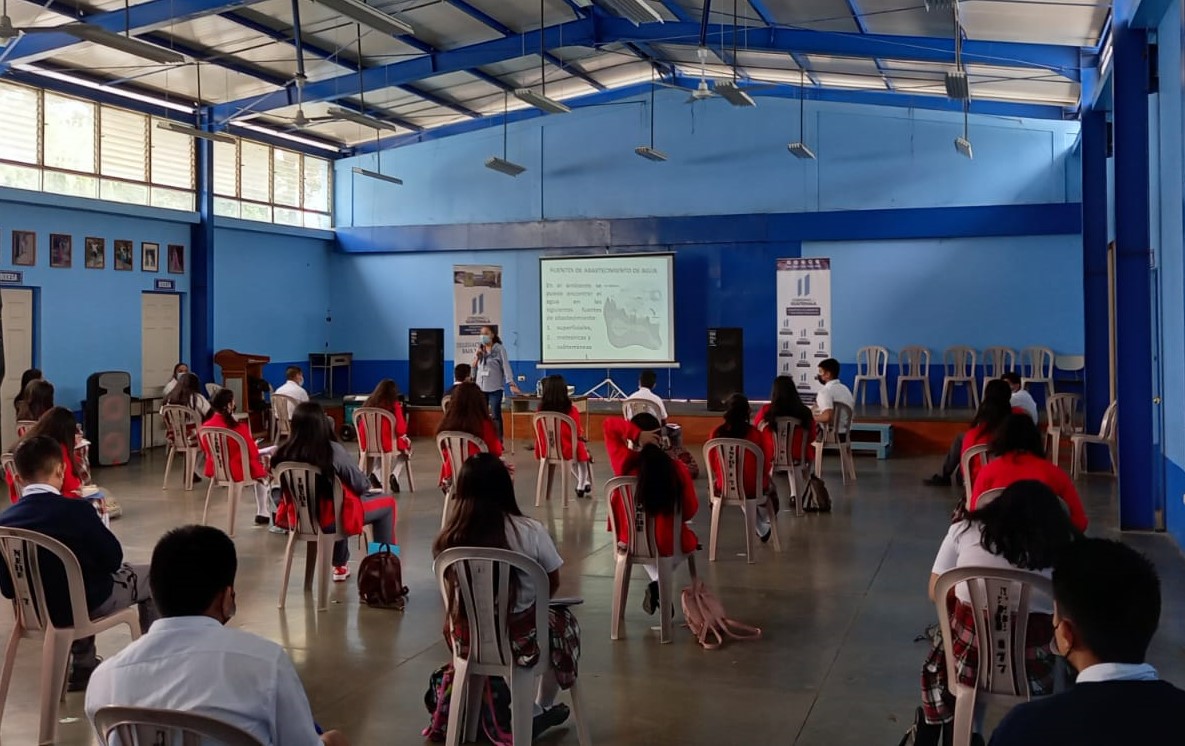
point(839, 608)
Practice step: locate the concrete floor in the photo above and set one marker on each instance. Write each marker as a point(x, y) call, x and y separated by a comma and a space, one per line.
point(840, 608)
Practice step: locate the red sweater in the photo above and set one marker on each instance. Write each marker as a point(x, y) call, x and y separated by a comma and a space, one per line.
point(625, 464)
point(387, 440)
point(71, 484)
point(489, 436)
point(566, 438)
point(232, 451)
point(799, 434)
point(1015, 467)
point(764, 440)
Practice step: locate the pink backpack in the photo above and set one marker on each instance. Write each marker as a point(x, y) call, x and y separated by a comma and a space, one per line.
point(705, 616)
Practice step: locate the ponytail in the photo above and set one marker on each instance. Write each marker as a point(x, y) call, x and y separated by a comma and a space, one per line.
point(220, 405)
point(736, 417)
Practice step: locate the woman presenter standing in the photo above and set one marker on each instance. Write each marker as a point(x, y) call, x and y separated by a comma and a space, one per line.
point(493, 373)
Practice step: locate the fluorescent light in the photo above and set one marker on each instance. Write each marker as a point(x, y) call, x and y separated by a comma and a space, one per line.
point(635, 11)
point(114, 90)
point(733, 95)
point(185, 129)
point(125, 44)
point(541, 102)
point(963, 145)
point(957, 85)
point(650, 153)
point(366, 121)
point(503, 166)
point(376, 175)
point(800, 150)
point(368, 16)
point(940, 4)
point(286, 136)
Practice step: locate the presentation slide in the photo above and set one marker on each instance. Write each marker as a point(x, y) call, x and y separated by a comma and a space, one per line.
point(613, 310)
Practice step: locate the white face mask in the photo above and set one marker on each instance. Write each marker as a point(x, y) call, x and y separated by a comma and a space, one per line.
point(181, 375)
point(485, 339)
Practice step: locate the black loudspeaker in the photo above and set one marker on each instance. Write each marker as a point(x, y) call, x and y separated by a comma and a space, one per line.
point(726, 365)
point(426, 353)
point(108, 417)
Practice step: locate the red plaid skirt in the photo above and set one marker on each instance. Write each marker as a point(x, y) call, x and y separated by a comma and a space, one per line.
point(563, 634)
point(938, 704)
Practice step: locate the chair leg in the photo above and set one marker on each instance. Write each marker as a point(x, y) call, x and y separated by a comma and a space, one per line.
point(974, 394)
point(471, 707)
point(1075, 457)
point(404, 463)
point(457, 703)
point(14, 641)
point(190, 468)
point(945, 394)
point(565, 469)
point(1114, 449)
point(387, 467)
point(310, 564)
point(206, 510)
point(926, 393)
point(621, 589)
point(666, 572)
point(232, 494)
point(897, 400)
point(324, 568)
point(884, 393)
point(582, 736)
point(539, 481)
point(750, 510)
point(773, 527)
point(964, 718)
point(714, 531)
point(849, 461)
point(55, 658)
point(783, 486)
point(168, 466)
point(287, 568)
point(819, 448)
point(522, 706)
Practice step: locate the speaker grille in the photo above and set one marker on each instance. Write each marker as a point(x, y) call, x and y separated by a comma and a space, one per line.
point(726, 362)
point(426, 363)
point(108, 417)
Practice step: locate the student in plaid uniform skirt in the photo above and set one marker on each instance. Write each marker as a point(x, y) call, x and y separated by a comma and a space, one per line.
point(1023, 529)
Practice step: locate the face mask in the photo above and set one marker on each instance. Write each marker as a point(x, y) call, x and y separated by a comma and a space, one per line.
point(485, 339)
point(820, 379)
point(180, 376)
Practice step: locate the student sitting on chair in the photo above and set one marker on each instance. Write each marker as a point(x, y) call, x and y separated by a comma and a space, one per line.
point(222, 414)
point(555, 399)
point(784, 401)
point(833, 391)
point(1106, 607)
point(635, 450)
point(737, 425)
point(180, 370)
point(468, 412)
point(59, 425)
point(1021, 399)
point(486, 514)
point(191, 661)
point(386, 396)
point(38, 399)
point(110, 584)
point(992, 412)
point(646, 382)
point(462, 373)
point(30, 375)
point(293, 386)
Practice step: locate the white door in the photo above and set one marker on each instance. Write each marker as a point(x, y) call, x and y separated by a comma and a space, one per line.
point(18, 355)
point(160, 349)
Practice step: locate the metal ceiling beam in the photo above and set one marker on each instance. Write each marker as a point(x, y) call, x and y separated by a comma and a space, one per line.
point(677, 10)
point(858, 17)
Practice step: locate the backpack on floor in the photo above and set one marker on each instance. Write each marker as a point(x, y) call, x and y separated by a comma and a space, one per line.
point(380, 580)
point(494, 722)
point(817, 499)
point(684, 456)
point(705, 616)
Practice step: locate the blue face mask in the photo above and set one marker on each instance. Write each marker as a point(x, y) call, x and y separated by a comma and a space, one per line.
point(485, 339)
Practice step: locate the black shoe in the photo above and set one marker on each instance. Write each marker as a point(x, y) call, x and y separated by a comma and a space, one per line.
point(937, 481)
point(650, 600)
point(549, 718)
point(262, 520)
point(375, 483)
point(196, 479)
point(765, 537)
point(394, 485)
point(80, 677)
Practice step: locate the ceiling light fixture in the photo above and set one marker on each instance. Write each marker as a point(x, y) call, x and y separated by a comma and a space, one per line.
point(798, 149)
point(541, 102)
point(502, 165)
point(734, 95)
point(287, 136)
point(650, 153)
point(932, 5)
point(636, 12)
point(365, 120)
point(121, 43)
point(114, 90)
point(376, 175)
point(185, 129)
point(958, 87)
point(963, 146)
point(368, 16)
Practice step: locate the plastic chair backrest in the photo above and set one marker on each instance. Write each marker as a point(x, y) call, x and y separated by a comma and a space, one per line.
point(1000, 599)
point(959, 362)
point(1070, 363)
point(974, 453)
point(549, 429)
point(635, 406)
point(217, 440)
point(24, 426)
point(211, 389)
point(987, 496)
point(444, 403)
point(731, 454)
point(298, 482)
point(914, 362)
point(997, 361)
point(370, 420)
point(1061, 411)
point(458, 445)
point(1110, 424)
point(282, 408)
point(840, 425)
point(641, 543)
point(872, 361)
point(479, 581)
point(784, 430)
point(180, 422)
point(141, 726)
point(1036, 362)
point(19, 549)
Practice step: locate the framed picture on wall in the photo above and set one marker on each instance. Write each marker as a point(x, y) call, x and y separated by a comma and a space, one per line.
point(95, 250)
point(61, 250)
point(124, 259)
point(150, 257)
point(176, 259)
point(24, 248)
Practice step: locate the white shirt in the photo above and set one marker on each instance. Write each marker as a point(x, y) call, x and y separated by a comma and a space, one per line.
point(834, 391)
point(31, 489)
point(195, 664)
point(650, 396)
point(962, 548)
point(1024, 400)
point(294, 391)
point(1117, 672)
point(528, 537)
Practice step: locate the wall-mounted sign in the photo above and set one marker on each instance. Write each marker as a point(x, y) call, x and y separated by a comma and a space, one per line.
point(166, 285)
point(9, 277)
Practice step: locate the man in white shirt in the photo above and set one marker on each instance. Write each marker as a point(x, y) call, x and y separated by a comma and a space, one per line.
point(293, 388)
point(646, 383)
point(190, 661)
point(833, 391)
point(1021, 399)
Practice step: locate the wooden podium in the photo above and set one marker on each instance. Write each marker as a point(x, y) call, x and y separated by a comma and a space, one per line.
point(242, 373)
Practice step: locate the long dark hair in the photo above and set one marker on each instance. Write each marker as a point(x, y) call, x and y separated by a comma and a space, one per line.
point(468, 411)
point(38, 400)
point(220, 406)
point(384, 396)
point(58, 423)
point(311, 440)
point(483, 501)
point(1018, 434)
point(784, 401)
point(555, 396)
point(186, 390)
point(995, 407)
point(30, 375)
point(736, 417)
point(494, 338)
point(659, 488)
point(1026, 525)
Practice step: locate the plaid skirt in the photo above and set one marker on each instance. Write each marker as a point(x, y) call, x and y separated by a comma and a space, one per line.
point(938, 704)
point(563, 633)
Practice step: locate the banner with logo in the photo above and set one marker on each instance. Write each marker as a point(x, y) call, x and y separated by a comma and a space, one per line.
point(804, 320)
point(477, 302)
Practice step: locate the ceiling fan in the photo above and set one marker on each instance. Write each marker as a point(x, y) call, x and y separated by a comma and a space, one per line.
point(95, 34)
point(729, 90)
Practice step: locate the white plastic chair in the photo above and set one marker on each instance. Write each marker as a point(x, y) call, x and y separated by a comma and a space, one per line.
point(140, 725)
point(211, 389)
point(458, 446)
point(1036, 366)
point(1061, 421)
point(837, 436)
point(24, 426)
point(641, 548)
point(872, 366)
point(22, 552)
point(1108, 435)
point(479, 582)
point(996, 362)
point(1001, 599)
point(974, 453)
point(634, 406)
point(181, 423)
point(444, 403)
point(298, 482)
point(549, 429)
point(217, 440)
point(282, 408)
point(790, 472)
point(913, 366)
point(986, 498)
point(732, 453)
point(370, 420)
point(958, 365)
